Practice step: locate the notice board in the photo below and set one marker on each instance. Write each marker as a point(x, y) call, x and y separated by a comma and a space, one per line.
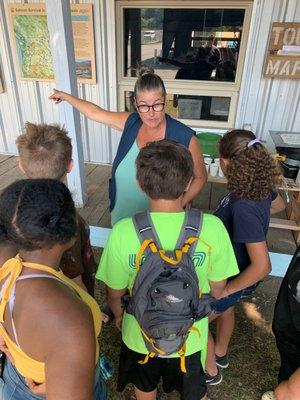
point(31, 41)
point(283, 56)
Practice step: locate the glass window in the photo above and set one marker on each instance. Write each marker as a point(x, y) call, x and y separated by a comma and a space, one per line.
point(213, 108)
point(197, 47)
point(181, 43)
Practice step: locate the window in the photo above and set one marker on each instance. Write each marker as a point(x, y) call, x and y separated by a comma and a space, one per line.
point(198, 50)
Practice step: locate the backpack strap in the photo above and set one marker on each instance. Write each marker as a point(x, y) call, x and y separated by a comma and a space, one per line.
point(191, 227)
point(145, 229)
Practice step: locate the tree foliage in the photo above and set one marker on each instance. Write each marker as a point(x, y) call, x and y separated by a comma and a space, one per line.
point(152, 18)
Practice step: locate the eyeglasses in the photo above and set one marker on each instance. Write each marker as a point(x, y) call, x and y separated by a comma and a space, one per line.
point(144, 108)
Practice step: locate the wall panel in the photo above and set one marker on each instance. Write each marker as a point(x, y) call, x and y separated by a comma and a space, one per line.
point(264, 103)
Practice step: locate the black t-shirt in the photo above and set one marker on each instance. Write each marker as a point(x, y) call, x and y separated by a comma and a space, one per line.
point(246, 221)
point(286, 323)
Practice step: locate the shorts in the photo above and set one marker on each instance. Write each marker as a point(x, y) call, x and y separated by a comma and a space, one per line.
point(223, 304)
point(146, 377)
point(13, 385)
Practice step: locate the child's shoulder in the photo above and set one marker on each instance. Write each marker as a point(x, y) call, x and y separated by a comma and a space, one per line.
point(211, 221)
point(123, 227)
point(244, 205)
point(212, 227)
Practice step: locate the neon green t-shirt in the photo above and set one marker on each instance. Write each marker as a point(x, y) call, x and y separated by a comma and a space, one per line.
point(117, 266)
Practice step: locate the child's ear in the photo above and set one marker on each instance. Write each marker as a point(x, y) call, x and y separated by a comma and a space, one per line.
point(224, 163)
point(70, 166)
point(189, 184)
point(21, 166)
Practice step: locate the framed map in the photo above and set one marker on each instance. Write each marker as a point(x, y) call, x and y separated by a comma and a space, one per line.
point(30, 34)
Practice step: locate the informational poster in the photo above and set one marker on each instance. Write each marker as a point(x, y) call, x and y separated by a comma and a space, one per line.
point(220, 106)
point(283, 57)
point(189, 108)
point(30, 34)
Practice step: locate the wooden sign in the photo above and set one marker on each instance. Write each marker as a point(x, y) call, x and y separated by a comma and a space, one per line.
point(283, 57)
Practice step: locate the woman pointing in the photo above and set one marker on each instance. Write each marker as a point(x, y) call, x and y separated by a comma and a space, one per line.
point(149, 123)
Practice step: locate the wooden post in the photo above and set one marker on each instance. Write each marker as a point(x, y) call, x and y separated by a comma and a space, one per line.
point(61, 39)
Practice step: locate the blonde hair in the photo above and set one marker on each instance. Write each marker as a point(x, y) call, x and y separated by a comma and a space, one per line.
point(45, 151)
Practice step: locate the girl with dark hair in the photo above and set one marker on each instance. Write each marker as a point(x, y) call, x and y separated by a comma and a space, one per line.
point(49, 324)
point(149, 123)
point(252, 178)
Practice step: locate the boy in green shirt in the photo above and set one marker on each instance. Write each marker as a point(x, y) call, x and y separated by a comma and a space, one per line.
point(164, 172)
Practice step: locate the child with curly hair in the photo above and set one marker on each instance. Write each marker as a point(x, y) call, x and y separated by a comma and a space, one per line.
point(245, 211)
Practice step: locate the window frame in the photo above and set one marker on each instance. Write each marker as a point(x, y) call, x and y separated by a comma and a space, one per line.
point(186, 87)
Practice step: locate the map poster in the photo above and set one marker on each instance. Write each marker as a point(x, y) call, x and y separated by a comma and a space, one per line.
point(31, 38)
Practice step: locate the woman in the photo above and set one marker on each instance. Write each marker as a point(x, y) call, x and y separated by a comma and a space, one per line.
point(149, 123)
point(49, 324)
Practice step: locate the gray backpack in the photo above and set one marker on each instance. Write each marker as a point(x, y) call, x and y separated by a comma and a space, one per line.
point(165, 298)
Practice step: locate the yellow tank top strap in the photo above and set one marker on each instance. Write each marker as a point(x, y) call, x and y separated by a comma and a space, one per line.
point(10, 269)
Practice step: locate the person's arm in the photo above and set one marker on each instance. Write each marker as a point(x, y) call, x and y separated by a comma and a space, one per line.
point(69, 360)
point(200, 174)
point(79, 282)
point(217, 288)
point(290, 389)
point(115, 120)
point(114, 302)
point(260, 266)
point(277, 205)
point(4, 349)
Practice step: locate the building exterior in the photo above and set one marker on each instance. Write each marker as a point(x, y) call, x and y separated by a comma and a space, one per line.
point(170, 36)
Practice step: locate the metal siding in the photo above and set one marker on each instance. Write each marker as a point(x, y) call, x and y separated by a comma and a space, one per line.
point(264, 103)
point(267, 103)
point(28, 101)
point(10, 110)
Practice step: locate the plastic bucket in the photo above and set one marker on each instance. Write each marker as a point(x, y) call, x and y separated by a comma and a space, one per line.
point(209, 143)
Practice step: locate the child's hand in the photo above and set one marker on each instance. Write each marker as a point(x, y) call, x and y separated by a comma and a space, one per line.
point(5, 350)
point(37, 388)
point(57, 96)
point(118, 322)
point(223, 294)
point(105, 318)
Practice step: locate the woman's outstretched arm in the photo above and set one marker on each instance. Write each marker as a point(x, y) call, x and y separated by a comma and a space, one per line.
point(113, 119)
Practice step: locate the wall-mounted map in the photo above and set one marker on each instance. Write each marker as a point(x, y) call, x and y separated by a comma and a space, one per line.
point(32, 41)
